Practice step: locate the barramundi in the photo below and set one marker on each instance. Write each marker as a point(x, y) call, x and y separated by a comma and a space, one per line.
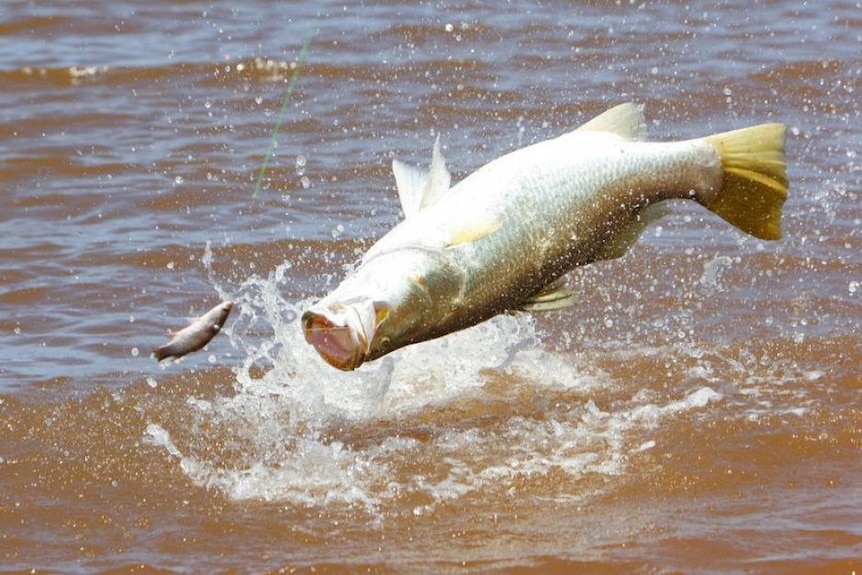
point(503, 238)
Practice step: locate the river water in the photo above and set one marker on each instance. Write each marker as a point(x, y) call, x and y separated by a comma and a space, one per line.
point(698, 411)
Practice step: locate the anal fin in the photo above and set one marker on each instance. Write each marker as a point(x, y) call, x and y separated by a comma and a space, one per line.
point(627, 236)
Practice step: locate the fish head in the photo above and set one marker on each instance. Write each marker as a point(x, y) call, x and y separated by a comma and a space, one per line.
point(219, 314)
point(384, 305)
point(342, 332)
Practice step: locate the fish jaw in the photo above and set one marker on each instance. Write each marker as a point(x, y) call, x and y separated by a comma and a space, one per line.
point(393, 299)
point(341, 332)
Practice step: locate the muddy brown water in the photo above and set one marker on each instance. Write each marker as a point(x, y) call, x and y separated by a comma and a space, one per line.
point(696, 412)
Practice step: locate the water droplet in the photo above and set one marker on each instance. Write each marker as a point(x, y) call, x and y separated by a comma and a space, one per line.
point(135, 352)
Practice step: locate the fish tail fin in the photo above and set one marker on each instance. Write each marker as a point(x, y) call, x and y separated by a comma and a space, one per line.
point(755, 183)
point(161, 352)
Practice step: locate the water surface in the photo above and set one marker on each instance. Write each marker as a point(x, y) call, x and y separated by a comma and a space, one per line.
point(697, 412)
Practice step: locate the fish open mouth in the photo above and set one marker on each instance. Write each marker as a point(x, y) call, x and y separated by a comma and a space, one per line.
point(340, 345)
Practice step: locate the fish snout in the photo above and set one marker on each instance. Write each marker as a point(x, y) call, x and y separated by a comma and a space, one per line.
point(338, 340)
point(224, 309)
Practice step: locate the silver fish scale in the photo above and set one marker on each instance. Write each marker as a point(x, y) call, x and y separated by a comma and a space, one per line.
point(560, 204)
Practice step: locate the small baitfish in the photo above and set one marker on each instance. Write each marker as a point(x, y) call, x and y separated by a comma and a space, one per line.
point(503, 238)
point(198, 333)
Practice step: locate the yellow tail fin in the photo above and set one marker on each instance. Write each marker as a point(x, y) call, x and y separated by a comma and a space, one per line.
point(755, 183)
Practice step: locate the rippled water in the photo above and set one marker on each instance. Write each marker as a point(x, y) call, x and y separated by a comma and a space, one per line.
point(698, 411)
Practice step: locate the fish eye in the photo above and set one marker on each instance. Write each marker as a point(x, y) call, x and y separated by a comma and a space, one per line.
point(384, 343)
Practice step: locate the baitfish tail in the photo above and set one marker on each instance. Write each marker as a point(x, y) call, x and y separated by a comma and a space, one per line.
point(754, 180)
point(164, 351)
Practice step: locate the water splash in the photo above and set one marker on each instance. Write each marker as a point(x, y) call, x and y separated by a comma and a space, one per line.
point(713, 270)
point(478, 412)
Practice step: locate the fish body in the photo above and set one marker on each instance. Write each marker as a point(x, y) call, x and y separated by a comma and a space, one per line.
point(196, 335)
point(504, 237)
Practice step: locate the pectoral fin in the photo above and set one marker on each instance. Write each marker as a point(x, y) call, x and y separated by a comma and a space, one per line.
point(556, 296)
point(475, 229)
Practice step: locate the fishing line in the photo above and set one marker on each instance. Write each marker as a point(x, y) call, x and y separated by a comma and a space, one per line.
point(284, 103)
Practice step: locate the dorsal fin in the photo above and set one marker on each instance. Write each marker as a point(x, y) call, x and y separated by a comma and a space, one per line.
point(625, 120)
point(418, 188)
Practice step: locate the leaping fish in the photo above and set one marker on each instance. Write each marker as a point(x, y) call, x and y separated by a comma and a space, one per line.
point(504, 237)
point(196, 335)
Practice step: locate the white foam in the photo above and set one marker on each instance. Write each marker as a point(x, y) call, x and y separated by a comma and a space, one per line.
point(293, 424)
point(158, 436)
